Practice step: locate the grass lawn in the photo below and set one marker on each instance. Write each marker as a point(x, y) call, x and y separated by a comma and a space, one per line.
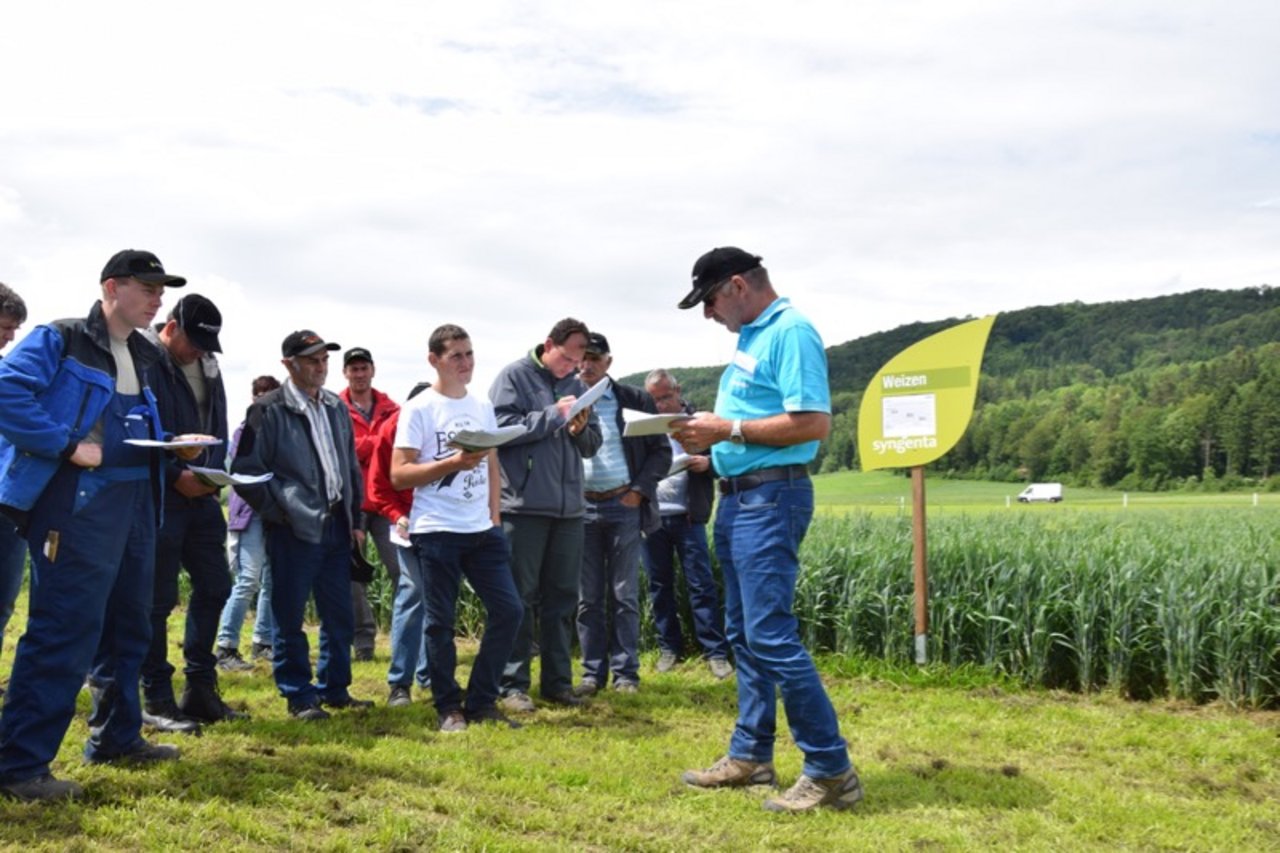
point(889, 491)
point(950, 761)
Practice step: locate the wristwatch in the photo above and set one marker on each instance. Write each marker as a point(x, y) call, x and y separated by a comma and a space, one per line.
point(735, 432)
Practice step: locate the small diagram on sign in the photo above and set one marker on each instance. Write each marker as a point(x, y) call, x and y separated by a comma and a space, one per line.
point(910, 415)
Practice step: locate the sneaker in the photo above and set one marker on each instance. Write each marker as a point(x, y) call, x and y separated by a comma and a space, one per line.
point(567, 698)
point(229, 660)
point(362, 655)
point(625, 687)
point(399, 696)
point(165, 717)
point(838, 792)
point(732, 773)
point(262, 651)
point(347, 701)
point(586, 687)
point(202, 702)
point(518, 703)
point(666, 661)
point(311, 712)
point(453, 721)
point(491, 714)
point(42, 789)
point(720, 667)
point(145, 753)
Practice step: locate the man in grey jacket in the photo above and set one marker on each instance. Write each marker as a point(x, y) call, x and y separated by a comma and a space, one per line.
point(301, 434)
point(542, 505)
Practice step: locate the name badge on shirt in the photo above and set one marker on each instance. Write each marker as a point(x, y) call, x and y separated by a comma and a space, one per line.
point(745, 362)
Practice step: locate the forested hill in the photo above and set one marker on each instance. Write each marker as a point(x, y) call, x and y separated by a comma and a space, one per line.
point(1065, 386)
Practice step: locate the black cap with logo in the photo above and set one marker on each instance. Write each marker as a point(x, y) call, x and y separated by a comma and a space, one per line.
point(200, 320)
point(356, 354)
point(305, 342)
point(144, 266)
point(597, 344)
point(716, 266)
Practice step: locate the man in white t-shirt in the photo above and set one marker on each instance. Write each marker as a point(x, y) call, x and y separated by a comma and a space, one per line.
point(456, 531)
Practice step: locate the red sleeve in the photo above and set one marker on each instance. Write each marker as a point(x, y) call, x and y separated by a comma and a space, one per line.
point(386, 501)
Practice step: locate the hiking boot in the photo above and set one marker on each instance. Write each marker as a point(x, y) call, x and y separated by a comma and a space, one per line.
point(491, 714)
point(566, 698)
point(145, 753)
point(586, 687)
point(732, 773)
point(348, 701)
point(518, 703)
point(453, 721)
point(666, 661)
point(42, 789)
point(625, 686)
point(310, 712)
point(229, 660)
point(720, 667)
point(838, 792)
point(262, 651)
point(203, 702)
point(399, 696)
point(165, 717)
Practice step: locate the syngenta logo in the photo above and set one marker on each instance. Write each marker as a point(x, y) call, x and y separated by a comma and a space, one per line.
point(903, 445)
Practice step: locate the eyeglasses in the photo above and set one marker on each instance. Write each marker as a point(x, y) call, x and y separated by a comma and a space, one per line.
point(714, 293)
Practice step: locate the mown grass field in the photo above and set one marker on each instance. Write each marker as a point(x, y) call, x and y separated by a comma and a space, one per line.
point(957, 756)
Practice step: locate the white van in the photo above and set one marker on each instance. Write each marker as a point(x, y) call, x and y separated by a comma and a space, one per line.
point(1051, 492)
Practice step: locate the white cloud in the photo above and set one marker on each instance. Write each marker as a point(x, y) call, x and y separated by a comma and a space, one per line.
point(373, 171)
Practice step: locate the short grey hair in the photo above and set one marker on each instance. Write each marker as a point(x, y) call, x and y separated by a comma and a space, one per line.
point(661, 375)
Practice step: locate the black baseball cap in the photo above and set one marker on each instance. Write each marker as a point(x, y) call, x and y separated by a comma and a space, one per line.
point(597, 344)
point(356, 354)
point(144, 266)
point(200, 320)
point(305, 342)
point(716, 266)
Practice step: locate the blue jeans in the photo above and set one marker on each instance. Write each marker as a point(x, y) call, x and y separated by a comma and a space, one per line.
point(13, 565)
point(546, 561)
point(408, 625)
point(610, 582)
point(444, 559)
point(247, 554)
point(299, 570)
point(91, 601)
point(758, 534)
point(680, 537)
point(193, 538)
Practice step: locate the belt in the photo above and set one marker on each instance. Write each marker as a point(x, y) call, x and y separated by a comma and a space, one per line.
point(597, 497)
point(742, 482)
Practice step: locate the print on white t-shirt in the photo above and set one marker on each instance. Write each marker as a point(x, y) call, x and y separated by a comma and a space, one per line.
point(457, 502)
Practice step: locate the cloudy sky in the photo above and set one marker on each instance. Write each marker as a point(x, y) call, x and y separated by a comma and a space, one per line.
point(372, 170)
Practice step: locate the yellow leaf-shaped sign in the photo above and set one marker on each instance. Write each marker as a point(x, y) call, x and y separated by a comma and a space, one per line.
point(919, 404)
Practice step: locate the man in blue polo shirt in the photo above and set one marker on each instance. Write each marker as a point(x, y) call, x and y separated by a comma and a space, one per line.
point(772, 410)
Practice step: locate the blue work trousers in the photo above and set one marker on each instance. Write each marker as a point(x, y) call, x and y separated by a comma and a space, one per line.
point(758, 534)
point(13, 565)
point(91, 588)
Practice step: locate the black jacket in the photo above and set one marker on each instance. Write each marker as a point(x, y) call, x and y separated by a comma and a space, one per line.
point(180, 414)
point(277, 440)
point(648, 457)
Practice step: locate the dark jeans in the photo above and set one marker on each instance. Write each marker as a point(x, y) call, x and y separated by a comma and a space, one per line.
point(758, 534)
point(91, 600)
point(193, 537)
point(482, 558)
point(13, 565)
point(546, 560)
point(680, 537)
point(299, 570)
point(609, 593)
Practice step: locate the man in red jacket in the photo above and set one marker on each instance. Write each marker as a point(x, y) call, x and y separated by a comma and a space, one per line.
point(369, 408)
